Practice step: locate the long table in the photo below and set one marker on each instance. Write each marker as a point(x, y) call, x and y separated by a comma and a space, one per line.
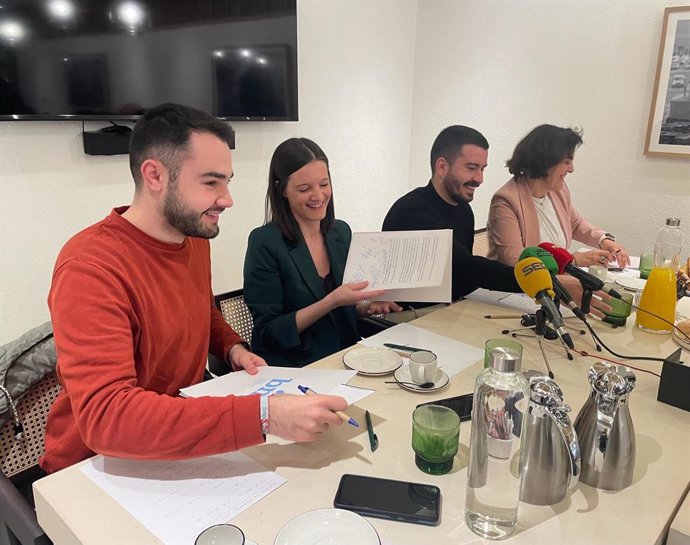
point(73, 510)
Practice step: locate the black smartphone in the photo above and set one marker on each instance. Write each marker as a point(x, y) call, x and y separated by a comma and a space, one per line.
point(460, 404)
point(388, 499)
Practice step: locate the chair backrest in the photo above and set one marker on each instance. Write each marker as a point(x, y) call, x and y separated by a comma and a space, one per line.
point(481, 242)
point(20, 453)
point(19, 460)
point(236, 312)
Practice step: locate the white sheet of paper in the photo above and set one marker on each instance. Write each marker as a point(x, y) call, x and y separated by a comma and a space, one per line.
point(514, 301)
point(453, 356)
point(625, 273)
point(177, 500)
point(410, 265)
point(271, 380)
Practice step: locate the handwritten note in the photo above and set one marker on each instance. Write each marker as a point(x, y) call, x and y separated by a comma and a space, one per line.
point(411, 265)
point(177, 500)
point(398, 259)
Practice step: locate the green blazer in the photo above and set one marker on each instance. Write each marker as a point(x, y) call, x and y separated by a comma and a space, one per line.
point(280, 278)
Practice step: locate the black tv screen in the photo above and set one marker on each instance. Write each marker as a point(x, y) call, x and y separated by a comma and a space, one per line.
point(114, 59)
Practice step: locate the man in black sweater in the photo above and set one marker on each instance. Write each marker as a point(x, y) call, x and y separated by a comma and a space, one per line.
point(458, 159)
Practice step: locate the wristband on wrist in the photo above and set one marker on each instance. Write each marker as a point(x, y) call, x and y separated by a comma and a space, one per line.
point(263, 413)
point(606, 236)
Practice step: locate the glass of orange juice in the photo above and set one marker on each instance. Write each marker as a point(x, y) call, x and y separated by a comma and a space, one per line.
point(657, 309)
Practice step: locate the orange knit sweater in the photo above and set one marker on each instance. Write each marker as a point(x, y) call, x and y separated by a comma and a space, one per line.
point(134, 320)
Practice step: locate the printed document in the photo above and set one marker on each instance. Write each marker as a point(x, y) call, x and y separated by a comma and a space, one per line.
point(409, 265)
point(280, 380)
point(177, 500)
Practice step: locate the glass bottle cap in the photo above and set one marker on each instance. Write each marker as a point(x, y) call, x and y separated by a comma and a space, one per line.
point(673, 222)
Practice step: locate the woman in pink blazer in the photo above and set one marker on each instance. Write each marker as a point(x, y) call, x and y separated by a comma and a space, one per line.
point(535, 205)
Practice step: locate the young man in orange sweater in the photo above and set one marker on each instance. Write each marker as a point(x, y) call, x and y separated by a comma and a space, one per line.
point(134, 319)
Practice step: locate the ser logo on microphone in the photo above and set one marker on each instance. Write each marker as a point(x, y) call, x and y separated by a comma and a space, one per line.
point(532, 267)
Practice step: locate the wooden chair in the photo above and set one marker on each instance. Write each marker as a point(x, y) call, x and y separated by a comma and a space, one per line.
point(19, 461)
point(481, 242)
point(236, 313)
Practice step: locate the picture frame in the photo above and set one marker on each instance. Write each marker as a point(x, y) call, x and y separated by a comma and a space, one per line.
point(668, 129)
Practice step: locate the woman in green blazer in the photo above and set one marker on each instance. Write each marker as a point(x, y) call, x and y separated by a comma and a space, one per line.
point(293, 269)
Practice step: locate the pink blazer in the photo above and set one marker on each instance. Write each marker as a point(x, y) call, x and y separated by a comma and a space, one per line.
point(513, 222)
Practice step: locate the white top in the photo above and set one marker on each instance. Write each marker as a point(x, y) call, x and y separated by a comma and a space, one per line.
point(550, 229)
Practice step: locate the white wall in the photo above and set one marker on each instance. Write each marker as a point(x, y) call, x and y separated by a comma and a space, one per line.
point(504, 67)
point(356, 70)
point(378, 80)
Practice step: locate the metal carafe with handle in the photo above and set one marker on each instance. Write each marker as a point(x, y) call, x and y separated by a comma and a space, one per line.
point(551, 454)
point(605, 429)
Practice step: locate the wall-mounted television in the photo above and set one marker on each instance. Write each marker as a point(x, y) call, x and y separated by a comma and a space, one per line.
point(114, 59)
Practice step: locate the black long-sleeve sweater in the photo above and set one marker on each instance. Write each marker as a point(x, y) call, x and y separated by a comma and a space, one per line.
point(422, 209)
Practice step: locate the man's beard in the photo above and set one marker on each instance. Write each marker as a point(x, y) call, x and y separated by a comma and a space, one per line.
point(450, 182)
point(186, 221)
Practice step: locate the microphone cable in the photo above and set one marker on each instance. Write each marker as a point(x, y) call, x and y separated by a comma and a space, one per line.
point(641, 358)
point(598, 357)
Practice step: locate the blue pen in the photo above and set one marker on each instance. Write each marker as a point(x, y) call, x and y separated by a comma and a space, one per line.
point(308, 391)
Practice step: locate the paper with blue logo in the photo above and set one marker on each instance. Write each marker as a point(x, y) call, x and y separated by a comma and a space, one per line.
point(273, 380)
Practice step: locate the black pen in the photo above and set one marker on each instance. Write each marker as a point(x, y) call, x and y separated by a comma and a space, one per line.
point(405, 347)
point(373, 440)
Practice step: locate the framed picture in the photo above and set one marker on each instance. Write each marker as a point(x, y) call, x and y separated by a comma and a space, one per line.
point(668, 130)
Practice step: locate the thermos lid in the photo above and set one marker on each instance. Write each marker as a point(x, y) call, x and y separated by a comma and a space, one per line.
point(504, 360)
point(545, 391)
point(611, 380)
point(673, 222)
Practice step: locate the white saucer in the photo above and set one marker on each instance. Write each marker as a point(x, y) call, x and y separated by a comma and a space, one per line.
point(328, 527)
point(635, 283)
point(372, 360)
point(404, 379)
point(680, 340)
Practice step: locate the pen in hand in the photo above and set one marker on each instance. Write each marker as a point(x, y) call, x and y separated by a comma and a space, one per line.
point(308, 391)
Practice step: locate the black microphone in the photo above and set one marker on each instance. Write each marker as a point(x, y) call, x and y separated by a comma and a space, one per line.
point(564, 260)
point(567, 299)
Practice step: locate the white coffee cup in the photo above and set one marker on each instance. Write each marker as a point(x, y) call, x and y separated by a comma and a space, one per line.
point(221, 534)
point(423, 367)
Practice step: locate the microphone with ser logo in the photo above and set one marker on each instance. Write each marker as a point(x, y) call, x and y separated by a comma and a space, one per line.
point(534, 279)
point(561, 291)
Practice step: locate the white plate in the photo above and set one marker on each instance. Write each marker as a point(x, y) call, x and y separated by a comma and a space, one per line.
point(328, 527)
point(372, 360)
point(635, 283)
point(404, 379)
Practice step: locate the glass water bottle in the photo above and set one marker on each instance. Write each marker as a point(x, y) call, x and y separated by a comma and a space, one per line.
point(493, 477)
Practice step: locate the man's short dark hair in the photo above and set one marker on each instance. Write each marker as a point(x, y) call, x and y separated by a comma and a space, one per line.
point(287, 159)
point(449, 143)
point(544, 147)
point(163, 133)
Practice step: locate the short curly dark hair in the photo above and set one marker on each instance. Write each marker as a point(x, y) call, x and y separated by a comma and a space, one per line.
point(163, 133)
point(544, 147)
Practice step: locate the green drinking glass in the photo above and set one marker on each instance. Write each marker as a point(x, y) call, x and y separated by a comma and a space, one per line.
point(435, 438)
